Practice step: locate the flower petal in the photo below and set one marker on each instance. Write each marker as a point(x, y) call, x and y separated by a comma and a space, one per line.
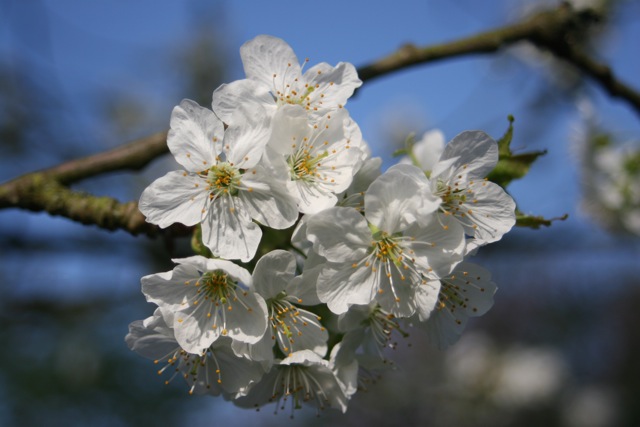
point(267, 200)
point(191, 139)
point(339, 234)
point(175, 197)
point(227, 97)
point(273, 272)
point(399, 198)
point(228, 230)
point(333, 85)
point(268, 59)
point(340, 286)
point(247, 135)
point(477, 154)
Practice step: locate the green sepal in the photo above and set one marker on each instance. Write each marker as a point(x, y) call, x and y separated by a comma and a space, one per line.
point(196, 243)
point(407, 150)
point(504, 143)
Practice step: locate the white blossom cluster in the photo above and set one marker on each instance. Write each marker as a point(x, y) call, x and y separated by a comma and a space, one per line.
point(371, 252)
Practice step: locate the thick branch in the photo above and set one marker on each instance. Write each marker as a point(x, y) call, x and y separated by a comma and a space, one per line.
point(132, 156)
point(39, 192)
point(551, 30)
point(46, 190)
point(601, 73)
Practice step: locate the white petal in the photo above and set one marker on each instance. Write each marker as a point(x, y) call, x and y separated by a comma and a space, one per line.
point(175, 197)
point(339, 234)
point(398, 198)
point(354, 195)
point(304, 286)
point(267, 59)
point(426, 297)
point(228, 230)
point(437, 247)
point(429, 149)
point(474, 149)
point(237, 374)
point(273, 272)
point(148, 342)
point(403, 298)
point(304, 332)
point(268, 201)
point(353, 319)
point(490, 209)
point(472, 283)
point(261, 351)
point(199, 325)
point(168, 289)
point(333, 85)
point(341, 286)
point(191, 139)
point(345, 365)
point(317, 379)
point(227, 97)
point(247, 135)
point(310, 198)
point(247, 322)
point(290, 126)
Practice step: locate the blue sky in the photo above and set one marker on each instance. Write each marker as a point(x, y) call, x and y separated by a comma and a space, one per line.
point(81, 50)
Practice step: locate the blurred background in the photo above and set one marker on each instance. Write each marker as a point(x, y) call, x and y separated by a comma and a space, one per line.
point(559, 348)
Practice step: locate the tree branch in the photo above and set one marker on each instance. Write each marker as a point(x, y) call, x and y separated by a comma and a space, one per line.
point(40, 191)
point(554, 30)
point(132, 156)
point(46, 190)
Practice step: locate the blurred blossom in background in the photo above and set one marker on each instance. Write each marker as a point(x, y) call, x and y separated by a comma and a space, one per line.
point(560, 345)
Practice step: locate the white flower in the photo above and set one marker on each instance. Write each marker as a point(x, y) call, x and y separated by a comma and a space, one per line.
point(290, 326)
point(321, 158)
point(483, 208)
point(214, 371)
point(345, 365)
point(301, 378)
point(274, 78)
point(467, 292)
point(387, 254)
point(426, 152)
point(368, 172)
point(369, 327)
point(224, 186)
point(203, 299)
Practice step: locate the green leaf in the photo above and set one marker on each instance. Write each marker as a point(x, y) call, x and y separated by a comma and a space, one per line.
point(511, 166)
point(535, 222)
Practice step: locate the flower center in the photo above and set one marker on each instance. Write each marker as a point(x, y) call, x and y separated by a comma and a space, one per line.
point(223, 179)
point(217, 286)
point(451, 196)
point(289, 323)
point(385, 247)
point(304, 164)
point(457, 199)
point(292, 96)
point(382, 324)
point(298, 383)
point(192, 367)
